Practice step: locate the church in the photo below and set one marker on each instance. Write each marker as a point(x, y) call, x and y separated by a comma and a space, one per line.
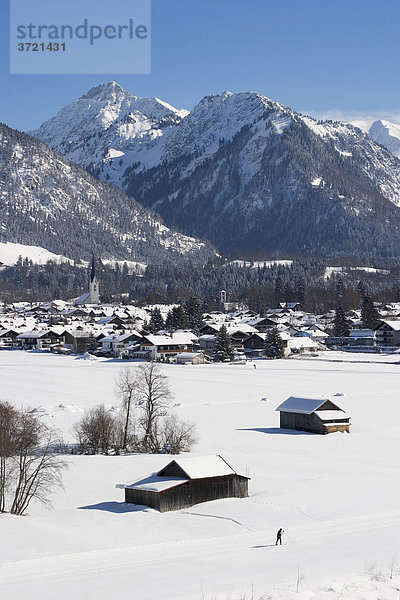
point(92, 296)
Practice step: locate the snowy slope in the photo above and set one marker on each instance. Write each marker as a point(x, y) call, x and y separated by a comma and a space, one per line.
point(387, 134)
point(48, 201)
point(9, 254)
point(249, 173)
point(336, 496)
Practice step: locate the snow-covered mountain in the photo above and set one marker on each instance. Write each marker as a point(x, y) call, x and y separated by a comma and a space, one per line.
point(387, 134)
point(241, 170)
point(108, 123)
point(48, 201)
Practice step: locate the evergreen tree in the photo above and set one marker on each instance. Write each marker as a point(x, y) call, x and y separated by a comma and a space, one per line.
point(179, 318)
point(369, 314)
point(91, 343)
point(362, 291)
point(341, 325)
point(156, 321)
point(169, 322)
point(278, 290)
point(274, 346)
point(301, 291)
point(223, 351)
point(193, 313)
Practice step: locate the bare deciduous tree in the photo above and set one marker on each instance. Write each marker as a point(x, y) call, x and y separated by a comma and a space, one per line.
point(155, 430)
point(98, 431)
point(8, 418)
point(125, 385)
point(31, 465)
point(177, 435)
point(153, 394)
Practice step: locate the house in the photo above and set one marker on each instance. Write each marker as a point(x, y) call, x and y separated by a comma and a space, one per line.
point(290, 305)
point(254, 344)
point(315, 333)
point(262, 323)
point(111, 320)
point(361, 337)
point(40, 339)
point(187, 481)
point(387, 333)
point(302, 344)
point(239, 334)
point(8, 338)
point(209, 329)
point(163, 347)
point(317, 415)
point(118, 343)
point(207, 343)
point(190, 358)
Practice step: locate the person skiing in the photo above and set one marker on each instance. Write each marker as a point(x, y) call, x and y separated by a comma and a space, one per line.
point(279, 537)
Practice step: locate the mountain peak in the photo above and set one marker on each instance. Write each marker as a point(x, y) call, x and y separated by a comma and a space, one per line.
point(387, 134)
point(105, 92)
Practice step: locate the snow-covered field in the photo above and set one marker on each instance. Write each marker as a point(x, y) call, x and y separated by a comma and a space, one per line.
point(337, 496)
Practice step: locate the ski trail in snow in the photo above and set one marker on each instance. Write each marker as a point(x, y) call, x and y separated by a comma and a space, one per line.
point(188, 512)
point(314, 518)
point(144, 557)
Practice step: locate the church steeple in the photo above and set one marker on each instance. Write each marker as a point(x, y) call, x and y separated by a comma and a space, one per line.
point(92, 270)
point(94, 295)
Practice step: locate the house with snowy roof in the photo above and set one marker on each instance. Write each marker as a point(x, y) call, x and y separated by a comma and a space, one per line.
point(8, 338)
point(316, 415)
point(164, 347)
point(118, 343)
point(40, 339)
point(387, 333)
point(186, 481)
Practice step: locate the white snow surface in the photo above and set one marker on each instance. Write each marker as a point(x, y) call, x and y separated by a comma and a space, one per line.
point(331, 415)
point(9, 254)
point(336, 496)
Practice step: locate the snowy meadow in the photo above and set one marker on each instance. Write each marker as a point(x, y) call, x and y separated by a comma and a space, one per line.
point(337, 496)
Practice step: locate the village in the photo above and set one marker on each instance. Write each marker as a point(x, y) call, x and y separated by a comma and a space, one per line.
point(127, 331)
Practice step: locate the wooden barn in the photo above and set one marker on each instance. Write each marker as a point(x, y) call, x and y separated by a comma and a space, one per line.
point(317, 415)
point(187, 481)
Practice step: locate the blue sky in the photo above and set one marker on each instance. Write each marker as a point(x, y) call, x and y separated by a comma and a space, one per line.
point(321, 57)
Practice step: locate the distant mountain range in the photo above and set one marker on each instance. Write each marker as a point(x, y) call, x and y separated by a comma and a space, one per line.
point(49, 202)
point(243, 171)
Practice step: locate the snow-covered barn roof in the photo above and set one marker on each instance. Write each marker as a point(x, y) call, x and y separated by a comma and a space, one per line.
point(305, 406)
point(154, 483)
point(197, 467)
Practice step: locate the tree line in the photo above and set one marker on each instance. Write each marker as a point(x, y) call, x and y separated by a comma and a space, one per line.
point(261, 287)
